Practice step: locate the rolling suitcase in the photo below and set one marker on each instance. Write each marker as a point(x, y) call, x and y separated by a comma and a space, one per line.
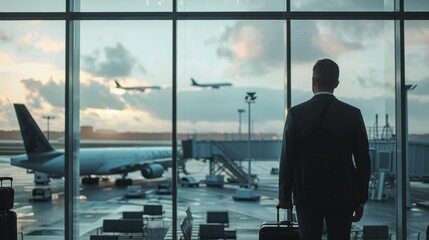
point(6, 195)
point(8, 229)
point(285, 230)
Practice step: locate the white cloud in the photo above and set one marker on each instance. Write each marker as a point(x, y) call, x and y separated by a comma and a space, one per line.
point(42, 42)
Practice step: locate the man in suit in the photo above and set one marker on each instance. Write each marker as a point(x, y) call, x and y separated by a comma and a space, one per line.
point(324, 164)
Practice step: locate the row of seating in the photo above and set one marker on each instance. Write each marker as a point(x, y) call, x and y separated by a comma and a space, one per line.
point(131, 225)
point(215, 227)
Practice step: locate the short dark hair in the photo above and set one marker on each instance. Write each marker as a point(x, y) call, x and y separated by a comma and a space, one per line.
point(326, 73)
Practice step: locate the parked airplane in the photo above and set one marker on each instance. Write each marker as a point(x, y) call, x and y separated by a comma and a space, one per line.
point(141, 88)
point(41, 157)
point(210, 85)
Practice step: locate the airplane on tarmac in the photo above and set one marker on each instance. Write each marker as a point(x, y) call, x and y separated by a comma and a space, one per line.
point(141, 88)
point(41, 156)
point(210, 85)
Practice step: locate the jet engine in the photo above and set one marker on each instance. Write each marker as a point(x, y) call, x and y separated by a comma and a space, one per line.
point(154, 170)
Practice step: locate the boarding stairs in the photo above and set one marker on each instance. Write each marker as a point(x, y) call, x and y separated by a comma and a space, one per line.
point(225, 163)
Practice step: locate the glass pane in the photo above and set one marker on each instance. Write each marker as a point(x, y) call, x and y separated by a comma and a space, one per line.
point(230, 5)
point(32, 74)
point(32, 6)
point(126, 6)
point(364, 51)
point(416, 78)
point(125, 112)
point(218, 63)
point(342, 5)
point(416, 5)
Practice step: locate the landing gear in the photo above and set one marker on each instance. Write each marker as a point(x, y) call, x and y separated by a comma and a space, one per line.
point(90, 180)
point(123, 182)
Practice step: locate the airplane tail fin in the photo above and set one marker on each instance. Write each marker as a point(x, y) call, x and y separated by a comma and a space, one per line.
point(194, 83)
point(117, 84)
point(34, 139)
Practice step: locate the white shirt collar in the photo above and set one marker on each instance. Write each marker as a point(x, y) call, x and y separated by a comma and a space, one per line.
point(323, 93)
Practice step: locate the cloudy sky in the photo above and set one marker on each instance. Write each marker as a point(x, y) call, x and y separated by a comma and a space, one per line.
point(249, 54)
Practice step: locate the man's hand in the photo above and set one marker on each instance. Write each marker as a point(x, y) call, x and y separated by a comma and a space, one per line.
point(357, 213)
point(285, 205)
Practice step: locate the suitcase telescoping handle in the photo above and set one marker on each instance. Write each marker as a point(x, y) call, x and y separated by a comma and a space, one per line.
point(5, 178)
point(289, 215)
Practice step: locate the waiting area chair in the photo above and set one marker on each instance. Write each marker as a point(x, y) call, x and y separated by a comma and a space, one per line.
point(222, 217)
point(211, 231)
point(375, 232)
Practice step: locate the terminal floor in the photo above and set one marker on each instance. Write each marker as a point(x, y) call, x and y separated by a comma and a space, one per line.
point(45, 220)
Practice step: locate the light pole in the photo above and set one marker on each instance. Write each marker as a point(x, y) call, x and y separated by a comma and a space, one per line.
point(247, 193)
point(48, 117)
point(249, 99)
point(240, 111)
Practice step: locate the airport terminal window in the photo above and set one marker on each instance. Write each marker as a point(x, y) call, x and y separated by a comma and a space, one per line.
point(416, 63)
point(126, 6)
point(240, 55)
point(218, 63)
point(230, 5)
point(27, 6)
point(125, 88)
point(32, 70)
point(416, 5)
point(342, 5)
point(363, 51)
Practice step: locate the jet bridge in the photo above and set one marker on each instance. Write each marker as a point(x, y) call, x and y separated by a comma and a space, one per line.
point(226, 156)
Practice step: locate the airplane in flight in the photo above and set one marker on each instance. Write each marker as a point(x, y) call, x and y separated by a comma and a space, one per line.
point(210, 85)
point(140, 88)
point(42, 157)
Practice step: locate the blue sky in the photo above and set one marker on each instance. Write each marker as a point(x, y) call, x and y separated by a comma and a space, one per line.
point(249, 54)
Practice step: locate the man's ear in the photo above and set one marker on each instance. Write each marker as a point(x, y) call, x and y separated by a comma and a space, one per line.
point(313, 84)
point(336, 84)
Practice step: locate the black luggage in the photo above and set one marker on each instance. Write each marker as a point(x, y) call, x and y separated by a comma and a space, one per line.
point(6, 195)
point(8, 229)
point(285, 230)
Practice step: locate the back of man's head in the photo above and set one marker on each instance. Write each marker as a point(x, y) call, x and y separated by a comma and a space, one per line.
point(326, 73)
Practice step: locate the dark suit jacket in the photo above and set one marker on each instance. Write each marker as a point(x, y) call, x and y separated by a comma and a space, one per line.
point(347, 135)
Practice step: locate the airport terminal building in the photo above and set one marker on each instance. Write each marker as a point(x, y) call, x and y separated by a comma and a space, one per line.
point(163, 119)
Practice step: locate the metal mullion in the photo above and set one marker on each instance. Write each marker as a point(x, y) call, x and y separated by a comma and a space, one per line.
point(342, 15)
point(174, 118)
point(72, 131)
point(32, 16)
point(230, 15)
point(415, 15)
point(123, 15)
point(288, 58)
point(307, 15)
point(401, 150)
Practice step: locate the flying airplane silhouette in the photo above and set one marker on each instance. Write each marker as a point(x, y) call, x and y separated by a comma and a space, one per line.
point(137, 88)
point(210, 85)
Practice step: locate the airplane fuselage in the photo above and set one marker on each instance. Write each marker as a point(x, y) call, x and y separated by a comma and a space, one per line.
point(95, 161)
